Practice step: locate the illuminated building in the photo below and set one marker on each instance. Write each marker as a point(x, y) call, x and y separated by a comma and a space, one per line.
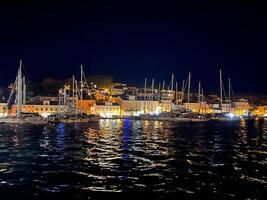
point(118, 89)
point(241, 107)
point(3, 110)
point(101, 95)
point(108, 110)
point(86, 106)
point(202, 108)
point(135, 108)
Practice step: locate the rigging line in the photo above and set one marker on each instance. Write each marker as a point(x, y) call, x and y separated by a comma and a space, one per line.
point(224, 91)
point(232, 92)
point(88, 89)
point(27, 77)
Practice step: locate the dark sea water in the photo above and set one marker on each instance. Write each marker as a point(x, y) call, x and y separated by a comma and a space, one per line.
point(222, 160)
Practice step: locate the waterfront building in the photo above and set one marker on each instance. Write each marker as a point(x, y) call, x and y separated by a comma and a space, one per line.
point(167, 94)
point(86, 106)
point(242, 107)
point(260, 111)
point(201, 108)
point(108, 110)
point(3, 112)
point(43, 110)
point(135, 108)
point(101, 95)
point(118, 89)
point(166, 105)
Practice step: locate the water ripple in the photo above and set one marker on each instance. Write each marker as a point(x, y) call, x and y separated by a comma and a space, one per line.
point(221, 160)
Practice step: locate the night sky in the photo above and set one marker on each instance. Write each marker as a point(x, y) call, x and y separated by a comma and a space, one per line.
point(133, 40)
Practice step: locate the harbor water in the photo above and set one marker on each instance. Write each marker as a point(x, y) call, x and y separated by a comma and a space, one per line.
point(217, 160)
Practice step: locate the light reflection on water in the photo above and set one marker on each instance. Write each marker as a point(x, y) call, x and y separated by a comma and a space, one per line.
point(219, 160)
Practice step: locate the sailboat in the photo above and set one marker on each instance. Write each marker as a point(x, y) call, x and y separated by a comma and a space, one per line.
point(225, 112)
point(73, 114)
point(177, 115)
point(20, 117)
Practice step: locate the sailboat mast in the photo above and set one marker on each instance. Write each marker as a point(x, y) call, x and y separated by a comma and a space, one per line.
point(145, 90)
point(202, 100)
point(221, 89)
point(188, 91)
point(159, 90)
point(152, 87)
point(182, 95)
point(24, 91)
point(19, 90)
point(73, 90)
point(202, 96)
point(145, 96)
point(81, 97)
point(199, 90)
point(229, 85)
point(176, 91)
point(172, 82)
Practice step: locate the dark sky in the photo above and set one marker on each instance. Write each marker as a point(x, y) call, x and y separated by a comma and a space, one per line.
point(133, 40)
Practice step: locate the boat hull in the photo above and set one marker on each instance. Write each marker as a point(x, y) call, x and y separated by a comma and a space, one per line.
point(28, 120)
point(78, 120)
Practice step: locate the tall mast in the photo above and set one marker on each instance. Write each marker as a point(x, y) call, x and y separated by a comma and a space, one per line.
point(19, 90)
point(199, 90)
point(159, 90)
point(76, 95)
point(202, 95)
point(176, 91)
point(163, 85)
point(182, 95)
point(229, 85)
point(221, 92)
point(24, 91)
point(152, 95)
point(64, 95)
point(73, 90)
point(152, 87)
point(145, 90)
point(202, 99)
point(188, 92)
point(145, 96)
point(172, 82)
point(81, 89)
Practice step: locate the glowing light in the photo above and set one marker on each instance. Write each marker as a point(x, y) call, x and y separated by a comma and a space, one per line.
point(45, 115)
point(231, 115)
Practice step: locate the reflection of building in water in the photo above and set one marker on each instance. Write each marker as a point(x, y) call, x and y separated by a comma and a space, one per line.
point(60, 135)
point(125, 139)
point(156, 139)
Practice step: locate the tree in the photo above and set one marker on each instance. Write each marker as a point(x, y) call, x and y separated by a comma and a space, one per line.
point(51, 85)
point(102, 81)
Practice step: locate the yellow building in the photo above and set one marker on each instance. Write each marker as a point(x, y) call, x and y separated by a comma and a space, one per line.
point(44, 110)
point(3, 110)
point(241, 107)
point(202, 108)
point(165, 105)
point(135, 108)
point(101, 95)
point(260, 111)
